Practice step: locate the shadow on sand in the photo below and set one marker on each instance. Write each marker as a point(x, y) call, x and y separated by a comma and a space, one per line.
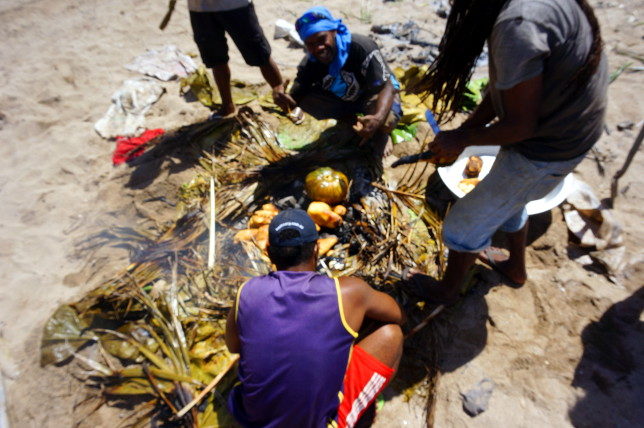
point(610, 370)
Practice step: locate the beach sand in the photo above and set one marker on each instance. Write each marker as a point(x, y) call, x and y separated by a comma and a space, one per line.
point(60, 62)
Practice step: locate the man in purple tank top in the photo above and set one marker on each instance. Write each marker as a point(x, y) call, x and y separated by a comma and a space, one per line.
point(296, 333)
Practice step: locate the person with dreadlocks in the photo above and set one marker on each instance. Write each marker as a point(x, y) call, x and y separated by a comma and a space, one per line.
point(344, 77)
point(547, 93)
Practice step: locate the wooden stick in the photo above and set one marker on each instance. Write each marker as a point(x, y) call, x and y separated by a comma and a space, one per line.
point(426, 321)
point(211, 244)
point(627, 163)
point(166, 18)
point(208, 388)
point(156, 389)
point(398, 192)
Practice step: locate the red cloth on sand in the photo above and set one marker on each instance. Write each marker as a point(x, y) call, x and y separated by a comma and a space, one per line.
point(126, 147)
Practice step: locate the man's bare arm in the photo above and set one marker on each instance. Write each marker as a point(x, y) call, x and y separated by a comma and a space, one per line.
point(521, 105)
point(368, 124)
point(360, 301)
point(232, 336)
point(482, 115)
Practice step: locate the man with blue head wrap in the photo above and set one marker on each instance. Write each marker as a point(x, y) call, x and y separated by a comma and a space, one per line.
point(343, 75)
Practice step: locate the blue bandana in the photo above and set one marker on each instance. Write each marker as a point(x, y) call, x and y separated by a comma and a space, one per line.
point(318, 19)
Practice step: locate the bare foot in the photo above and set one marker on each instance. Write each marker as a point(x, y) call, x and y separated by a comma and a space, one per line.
point(227, 112)
point(429, 289)
point(500, 262)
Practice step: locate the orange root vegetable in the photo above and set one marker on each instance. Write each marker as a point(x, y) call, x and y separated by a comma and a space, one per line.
point(325, 244)
point(340, 210)
point(323, 215)
point(245, 235)
point(261, 239)
point(261, 218)
point(270, 207)
point(266, 213)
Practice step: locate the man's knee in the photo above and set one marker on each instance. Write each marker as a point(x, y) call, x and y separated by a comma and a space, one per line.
point(454, 230)
point(391, 334)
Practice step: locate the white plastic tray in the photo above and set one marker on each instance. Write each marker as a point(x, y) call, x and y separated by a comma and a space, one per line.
point(453, 174)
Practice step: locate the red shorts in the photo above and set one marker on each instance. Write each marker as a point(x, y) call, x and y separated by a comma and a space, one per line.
point(365, 378)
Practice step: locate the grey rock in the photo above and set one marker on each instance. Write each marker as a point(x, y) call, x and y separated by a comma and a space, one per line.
point(476, 400)
point(626, 125)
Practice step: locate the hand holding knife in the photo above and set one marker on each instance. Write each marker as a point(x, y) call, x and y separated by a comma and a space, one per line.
point(429, 116)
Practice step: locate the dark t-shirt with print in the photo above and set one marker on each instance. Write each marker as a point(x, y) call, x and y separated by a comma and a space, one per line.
point(364, 71)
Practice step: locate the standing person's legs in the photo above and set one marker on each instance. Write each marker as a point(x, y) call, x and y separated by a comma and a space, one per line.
point(498, 202)
point(210, 37)
point(271, 73)
point(243, 27)
point(513, 267)
point(221, 73)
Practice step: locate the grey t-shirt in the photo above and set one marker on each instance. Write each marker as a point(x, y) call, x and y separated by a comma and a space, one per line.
point(553, 38)
point(216, 5)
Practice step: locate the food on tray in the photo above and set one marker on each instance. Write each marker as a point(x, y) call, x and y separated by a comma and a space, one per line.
point(473, 167)
point(468, 184)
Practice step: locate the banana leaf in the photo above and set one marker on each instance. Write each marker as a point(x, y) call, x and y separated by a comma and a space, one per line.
point(205, 349)
point(198, 83)
point(138, 387)
point(64, 333)
point(166, 311)
point(293, 137)
point(404, 132)
point(125, 350)
point(474, 93)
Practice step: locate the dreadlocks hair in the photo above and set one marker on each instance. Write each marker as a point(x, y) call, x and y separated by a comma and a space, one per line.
point(469, 25)
point(589, 68)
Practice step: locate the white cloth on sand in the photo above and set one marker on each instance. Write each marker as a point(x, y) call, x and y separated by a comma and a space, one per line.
point(286, 30)
point(596, 227)
point(126, 115)
point(165, 64)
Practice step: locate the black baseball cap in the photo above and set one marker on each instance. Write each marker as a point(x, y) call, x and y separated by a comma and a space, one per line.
point(296, 220)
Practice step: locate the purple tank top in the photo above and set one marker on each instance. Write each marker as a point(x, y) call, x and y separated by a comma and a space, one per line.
point(295, 347)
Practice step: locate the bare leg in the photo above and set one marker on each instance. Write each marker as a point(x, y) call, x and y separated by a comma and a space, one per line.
point(514, 266)
point(445, 291)
point(271, 73)
point(458, 264)
point(386, 344)
point(222, 79)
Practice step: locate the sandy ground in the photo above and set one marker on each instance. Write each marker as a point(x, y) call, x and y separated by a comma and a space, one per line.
point(564, 349)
